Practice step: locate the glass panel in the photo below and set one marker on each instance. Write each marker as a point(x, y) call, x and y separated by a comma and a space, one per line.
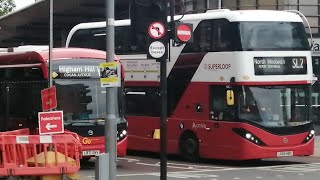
point(314, 30)
point(274, 106)
point(189, 6)
point(82, 100)
point(229, 4)
point(143, 101)
point(309, 10)
point(245, 4)
point(273, 7)
point(308, 2)
point(313, 21)
point(273, 36)
point(316, 65)
point(200, 4)
point(213, 4)
point(267, 4)
point(316, 103)
point(219, 110)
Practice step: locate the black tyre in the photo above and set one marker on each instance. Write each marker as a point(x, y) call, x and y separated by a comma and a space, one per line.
point(189, 147)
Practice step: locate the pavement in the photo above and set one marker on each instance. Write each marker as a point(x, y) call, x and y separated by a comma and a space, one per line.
point(317, 146)
point(316, 154)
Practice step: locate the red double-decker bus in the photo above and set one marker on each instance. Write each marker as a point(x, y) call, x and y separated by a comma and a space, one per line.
point(241, 90)
point(76, 76)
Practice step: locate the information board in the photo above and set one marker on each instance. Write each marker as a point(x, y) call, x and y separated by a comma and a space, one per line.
point(280, 65)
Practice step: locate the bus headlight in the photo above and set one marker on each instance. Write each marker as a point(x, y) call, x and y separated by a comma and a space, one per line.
point(121, 135)
point(309, 137)
point(124, 132)
point(312, 132)
point(248, 136)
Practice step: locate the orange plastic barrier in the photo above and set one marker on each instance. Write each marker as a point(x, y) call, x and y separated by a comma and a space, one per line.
point(36, 132)
point(26, 155)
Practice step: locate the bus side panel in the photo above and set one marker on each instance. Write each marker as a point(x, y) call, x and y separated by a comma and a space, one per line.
point(236, 147)
point(141, 130)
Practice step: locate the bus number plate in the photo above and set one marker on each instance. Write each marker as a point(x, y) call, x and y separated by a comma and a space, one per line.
point(90, 153)
point(284, 153)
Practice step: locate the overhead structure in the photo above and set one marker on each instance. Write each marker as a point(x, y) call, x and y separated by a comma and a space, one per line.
point(30, 25)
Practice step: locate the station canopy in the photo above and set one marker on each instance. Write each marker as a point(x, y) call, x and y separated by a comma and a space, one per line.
point(30, 25)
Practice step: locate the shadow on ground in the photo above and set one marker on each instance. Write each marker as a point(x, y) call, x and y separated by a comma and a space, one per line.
point(217, 162)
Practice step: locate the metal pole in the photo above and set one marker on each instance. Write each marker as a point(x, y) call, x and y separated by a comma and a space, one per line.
point(219, 4)
point(163, 84)
point(111, 103)
point(171, 20)
point(163, 120)
point(51, 42)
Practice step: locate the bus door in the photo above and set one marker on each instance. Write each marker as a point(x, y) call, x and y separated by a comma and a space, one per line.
point(21, 102)
point(143, 110)
point(221, 113)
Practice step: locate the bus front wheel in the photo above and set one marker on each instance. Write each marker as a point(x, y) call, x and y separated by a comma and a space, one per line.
point(189, 147)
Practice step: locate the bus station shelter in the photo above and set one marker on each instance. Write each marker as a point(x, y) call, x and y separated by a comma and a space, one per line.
point(30, 25)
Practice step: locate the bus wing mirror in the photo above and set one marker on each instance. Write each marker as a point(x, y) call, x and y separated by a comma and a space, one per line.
point(230, 98)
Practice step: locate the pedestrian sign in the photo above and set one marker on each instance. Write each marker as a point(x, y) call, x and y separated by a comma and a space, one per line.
point(51, 122)
point(110, 74)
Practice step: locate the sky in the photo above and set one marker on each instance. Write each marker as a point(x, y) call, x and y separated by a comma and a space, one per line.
point(22, 3)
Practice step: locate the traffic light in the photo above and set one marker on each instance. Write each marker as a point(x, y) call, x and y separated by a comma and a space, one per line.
point(84, 98)
point(142, 14)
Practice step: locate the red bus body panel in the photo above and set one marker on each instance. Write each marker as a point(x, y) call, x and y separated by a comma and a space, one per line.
point(216, 138)
point(98, 143)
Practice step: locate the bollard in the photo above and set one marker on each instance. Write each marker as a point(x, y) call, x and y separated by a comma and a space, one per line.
point(102, 166)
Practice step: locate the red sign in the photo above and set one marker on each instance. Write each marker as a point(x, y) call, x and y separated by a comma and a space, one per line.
point(156, 30)
point(184, 32)
point(51, 122)
point(49, 98)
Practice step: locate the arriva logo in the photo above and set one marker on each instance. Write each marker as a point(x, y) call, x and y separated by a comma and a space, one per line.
point(86, 141)
point(199, 126)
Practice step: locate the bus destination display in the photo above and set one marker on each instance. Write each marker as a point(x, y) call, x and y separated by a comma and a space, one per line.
point(77, 71)
point(280, 65)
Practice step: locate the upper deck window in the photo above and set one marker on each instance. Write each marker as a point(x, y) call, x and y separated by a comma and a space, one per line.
point(273, 36)
point(214, 35)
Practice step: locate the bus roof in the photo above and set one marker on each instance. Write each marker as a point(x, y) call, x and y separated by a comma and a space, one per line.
point(39, 58)
point(33, 57)
point(233, 16)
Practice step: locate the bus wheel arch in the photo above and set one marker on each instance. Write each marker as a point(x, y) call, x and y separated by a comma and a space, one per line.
point(189, 146)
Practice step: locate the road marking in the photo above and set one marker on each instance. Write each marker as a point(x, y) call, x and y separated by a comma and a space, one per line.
point(128, 159)
point(194, 165)
point(183, 175)
point(158, 174)
point(269, 168)
point(196, 173)
point(191, 169)
point(293, 168)
point(168, 166)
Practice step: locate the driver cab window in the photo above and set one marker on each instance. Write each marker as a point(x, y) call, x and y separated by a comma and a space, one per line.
point(218, 105)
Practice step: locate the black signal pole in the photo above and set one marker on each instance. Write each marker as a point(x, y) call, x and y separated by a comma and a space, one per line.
point(164, 93)
point(163, 119)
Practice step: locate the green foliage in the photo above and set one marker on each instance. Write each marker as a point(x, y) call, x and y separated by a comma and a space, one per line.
point(6, 6)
